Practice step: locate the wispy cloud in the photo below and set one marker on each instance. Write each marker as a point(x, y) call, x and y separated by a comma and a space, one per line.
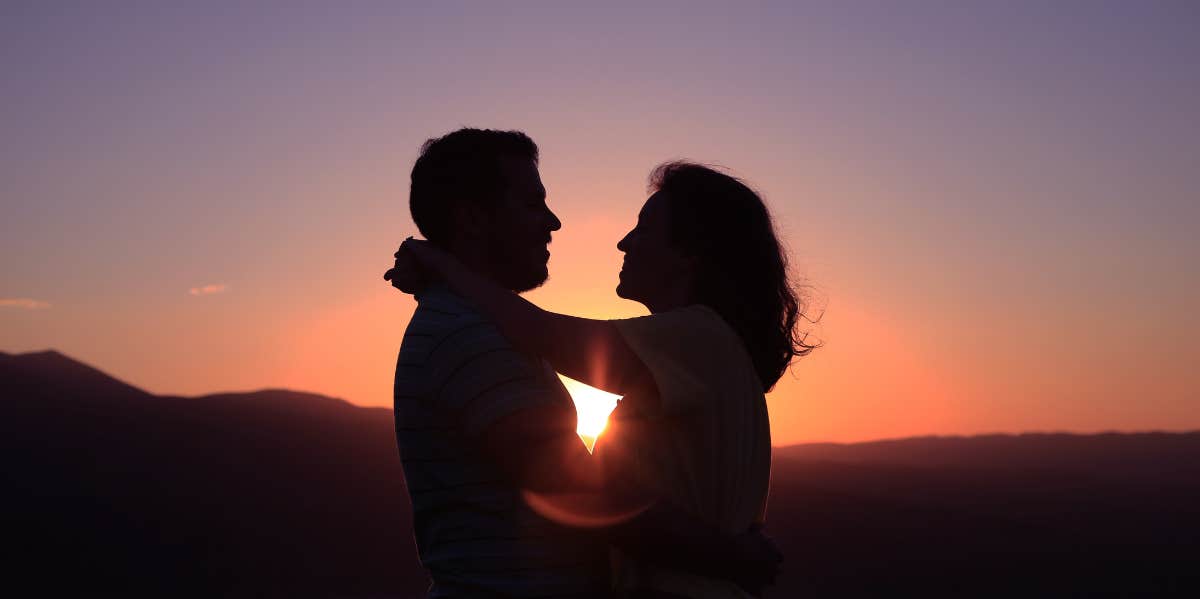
point(23, 303)
point(208, 289)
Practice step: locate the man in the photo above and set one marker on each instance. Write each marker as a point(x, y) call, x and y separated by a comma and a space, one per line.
point(478, 423)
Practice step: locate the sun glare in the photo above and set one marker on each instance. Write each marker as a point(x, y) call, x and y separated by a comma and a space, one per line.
point(593, 406)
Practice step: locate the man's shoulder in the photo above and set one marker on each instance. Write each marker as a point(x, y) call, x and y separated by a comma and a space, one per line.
point(440, 309)
point(439, 300)
point(445, 321)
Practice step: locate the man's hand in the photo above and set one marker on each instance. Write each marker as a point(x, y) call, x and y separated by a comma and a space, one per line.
point(758, 561)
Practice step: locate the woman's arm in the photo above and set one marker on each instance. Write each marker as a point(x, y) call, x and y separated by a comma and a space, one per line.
point(590, 351)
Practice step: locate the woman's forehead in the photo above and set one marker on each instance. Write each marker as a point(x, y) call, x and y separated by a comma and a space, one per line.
point(655, 206)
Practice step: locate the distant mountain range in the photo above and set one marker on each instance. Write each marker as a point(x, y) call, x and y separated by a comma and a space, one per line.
point(108, 488)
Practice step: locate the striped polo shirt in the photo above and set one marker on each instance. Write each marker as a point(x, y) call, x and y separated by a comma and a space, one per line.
point(455, 376)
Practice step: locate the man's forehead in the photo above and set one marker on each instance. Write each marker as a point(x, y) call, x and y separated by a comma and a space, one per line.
point(522, 173)
point(518, 165)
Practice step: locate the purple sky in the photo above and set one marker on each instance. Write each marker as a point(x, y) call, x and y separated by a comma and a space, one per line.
point(996, 204)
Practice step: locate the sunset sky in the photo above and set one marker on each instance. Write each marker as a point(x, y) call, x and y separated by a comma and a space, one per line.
point(996, 206)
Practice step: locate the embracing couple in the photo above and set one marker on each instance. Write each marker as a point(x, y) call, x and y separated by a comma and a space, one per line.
point(507, 501)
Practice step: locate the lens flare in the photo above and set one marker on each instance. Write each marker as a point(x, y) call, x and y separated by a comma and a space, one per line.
point(584, 510)
point(593, 407)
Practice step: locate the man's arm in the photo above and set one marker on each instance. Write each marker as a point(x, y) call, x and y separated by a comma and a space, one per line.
point(669, 536)
point(538, 449)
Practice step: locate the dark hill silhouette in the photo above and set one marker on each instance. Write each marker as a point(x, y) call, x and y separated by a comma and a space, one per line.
point(1042, 515)
point(1142, 455)
point(279, 493)
point(267, 493)
point(52, 375)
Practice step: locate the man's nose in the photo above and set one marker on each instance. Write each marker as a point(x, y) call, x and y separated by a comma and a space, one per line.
point(554, 223)
point(623, 245)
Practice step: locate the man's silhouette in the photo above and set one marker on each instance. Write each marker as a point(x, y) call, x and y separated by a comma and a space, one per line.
point(477, 422)
point(461, 389)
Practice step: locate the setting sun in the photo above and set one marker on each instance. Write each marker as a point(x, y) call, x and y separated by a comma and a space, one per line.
point(593, 406)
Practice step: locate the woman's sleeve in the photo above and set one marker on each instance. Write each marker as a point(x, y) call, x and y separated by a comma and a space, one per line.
point(683, 350)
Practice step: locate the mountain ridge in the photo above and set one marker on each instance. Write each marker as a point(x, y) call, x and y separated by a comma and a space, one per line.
point(810, 449)
point(286, 493)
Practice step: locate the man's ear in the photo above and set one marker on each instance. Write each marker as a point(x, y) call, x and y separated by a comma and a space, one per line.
point(471, 220)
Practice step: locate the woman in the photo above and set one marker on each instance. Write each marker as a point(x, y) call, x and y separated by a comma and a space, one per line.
point(693, 426)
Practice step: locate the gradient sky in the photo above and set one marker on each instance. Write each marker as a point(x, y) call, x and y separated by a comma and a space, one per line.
point(996, 205)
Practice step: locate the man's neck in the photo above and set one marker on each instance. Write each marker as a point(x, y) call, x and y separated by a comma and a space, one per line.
point(476, 258)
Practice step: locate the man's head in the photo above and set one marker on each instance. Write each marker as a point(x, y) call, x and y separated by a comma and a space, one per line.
point(477, 193)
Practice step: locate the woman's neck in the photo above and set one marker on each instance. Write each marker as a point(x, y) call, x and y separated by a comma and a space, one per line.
point(670, 299)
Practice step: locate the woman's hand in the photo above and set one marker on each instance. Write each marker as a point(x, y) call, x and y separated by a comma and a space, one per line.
point(432, 259)
point(407, 274)
point(419, 263)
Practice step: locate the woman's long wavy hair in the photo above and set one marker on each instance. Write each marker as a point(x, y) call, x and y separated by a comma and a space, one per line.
point(742, 268)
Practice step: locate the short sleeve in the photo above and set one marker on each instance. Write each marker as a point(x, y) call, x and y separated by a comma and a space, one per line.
point(478, 377)
point(686, 351)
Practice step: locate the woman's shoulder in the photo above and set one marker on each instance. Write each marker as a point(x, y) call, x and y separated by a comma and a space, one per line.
point(705, 330)
point(685, 330)
point(692, 343)
point(690, 320)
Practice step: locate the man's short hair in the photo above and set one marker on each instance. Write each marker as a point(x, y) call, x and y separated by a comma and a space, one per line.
point(462, 166)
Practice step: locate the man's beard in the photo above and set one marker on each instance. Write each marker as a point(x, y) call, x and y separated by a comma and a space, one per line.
point(526, 281)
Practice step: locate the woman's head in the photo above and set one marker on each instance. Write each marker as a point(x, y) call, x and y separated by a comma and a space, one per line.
point(705, 237)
